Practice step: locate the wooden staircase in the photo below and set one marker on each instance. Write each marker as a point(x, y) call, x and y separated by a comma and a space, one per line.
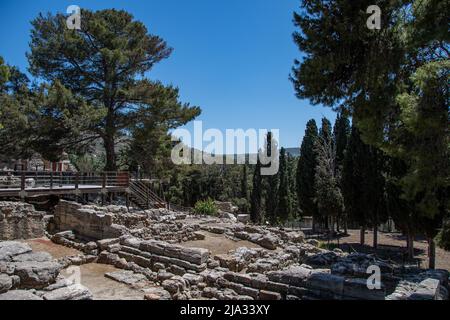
point(142, 196)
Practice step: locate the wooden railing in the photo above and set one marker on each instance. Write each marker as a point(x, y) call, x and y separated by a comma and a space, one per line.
point(37, 183)
point(142, 195)
point(31, 180)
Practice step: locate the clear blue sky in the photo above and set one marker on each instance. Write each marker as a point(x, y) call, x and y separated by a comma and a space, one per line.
point(231, 57)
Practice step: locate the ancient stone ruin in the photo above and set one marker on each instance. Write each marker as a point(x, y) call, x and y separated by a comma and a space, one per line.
point(162, 254)
point(20, 221)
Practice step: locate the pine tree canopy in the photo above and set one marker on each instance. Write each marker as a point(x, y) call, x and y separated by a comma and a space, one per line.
point(105, 64)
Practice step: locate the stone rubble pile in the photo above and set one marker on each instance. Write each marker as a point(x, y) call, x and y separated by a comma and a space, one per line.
point(190, 273)
point(285, 266)
point(148, 246)
point(427, 285)
point(91, 222)
point(28, 275)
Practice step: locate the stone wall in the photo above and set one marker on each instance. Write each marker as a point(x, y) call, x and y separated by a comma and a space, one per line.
point(20, 220)
point(150, 252)
point(86, 221)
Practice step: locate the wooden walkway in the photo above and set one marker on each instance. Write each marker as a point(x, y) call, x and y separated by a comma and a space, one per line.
point(32, 184)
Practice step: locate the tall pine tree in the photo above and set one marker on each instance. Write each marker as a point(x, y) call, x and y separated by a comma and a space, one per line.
point(256, 196)
point(271, 183)
point(306, 170)
point(341, 133)
point(328, 194)
point(363, 185)
point(284, 208)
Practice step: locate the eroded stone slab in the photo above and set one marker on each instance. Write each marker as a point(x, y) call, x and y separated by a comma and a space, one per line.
point(126, 276)
point(9, 249)
point(72, 292)
point(19, 295)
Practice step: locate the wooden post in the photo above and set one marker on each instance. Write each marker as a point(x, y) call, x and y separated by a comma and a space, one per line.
point(22, 187)
point(22, 181)
point(77, 180)
point(103, 187)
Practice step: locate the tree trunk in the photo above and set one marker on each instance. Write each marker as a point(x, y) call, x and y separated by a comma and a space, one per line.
point(410, 245)
point(338, 223)
point(362, 235)
point(375, 236)
point(108, 142)
point(331, 225)
point(345, 225)
point(431, 253)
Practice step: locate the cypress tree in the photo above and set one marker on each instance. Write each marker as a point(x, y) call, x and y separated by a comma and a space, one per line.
point(244, 183)
point(292, 165)
point(306, 170)
point(284, 208)
point(271, 183)
point(341, 133)
point(255, 209)
point(363, 185)
point(329, 196)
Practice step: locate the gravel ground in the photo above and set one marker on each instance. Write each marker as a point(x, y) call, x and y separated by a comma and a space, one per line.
point(392, 246)
point(218, 243)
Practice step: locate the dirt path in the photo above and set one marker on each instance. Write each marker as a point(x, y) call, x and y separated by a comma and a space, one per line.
point(91, 275)
point(57, 251)
point(218, 243)
point(393, 245)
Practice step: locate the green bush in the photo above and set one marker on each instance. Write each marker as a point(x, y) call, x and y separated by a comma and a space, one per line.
point(242, 203)
point(328, 246)
point(207, 207)
point(443, 238)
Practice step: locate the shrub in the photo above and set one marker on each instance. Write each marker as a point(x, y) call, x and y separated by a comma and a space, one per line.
point(242, 203)
point(207, 207)
point(443, 238)
point(328, 246)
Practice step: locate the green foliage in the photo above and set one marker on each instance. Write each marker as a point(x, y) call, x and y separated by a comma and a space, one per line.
point(394, 84)
point(4, 72)
point(341, 134)
point(242, 203)
point(306, 170)
point(363, 183)
point(271, 184)
point(284, 207)
point(88, 162)
point(328, 194)
point(328, 246)
point(244, 182)
point(443, 237)
point(103, 64)
point(205, 207)
point(256, 195)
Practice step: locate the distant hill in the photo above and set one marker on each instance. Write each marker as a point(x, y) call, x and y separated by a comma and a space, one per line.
point(295, 152)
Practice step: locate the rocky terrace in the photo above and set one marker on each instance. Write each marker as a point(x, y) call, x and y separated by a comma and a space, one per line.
point(152, 253)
